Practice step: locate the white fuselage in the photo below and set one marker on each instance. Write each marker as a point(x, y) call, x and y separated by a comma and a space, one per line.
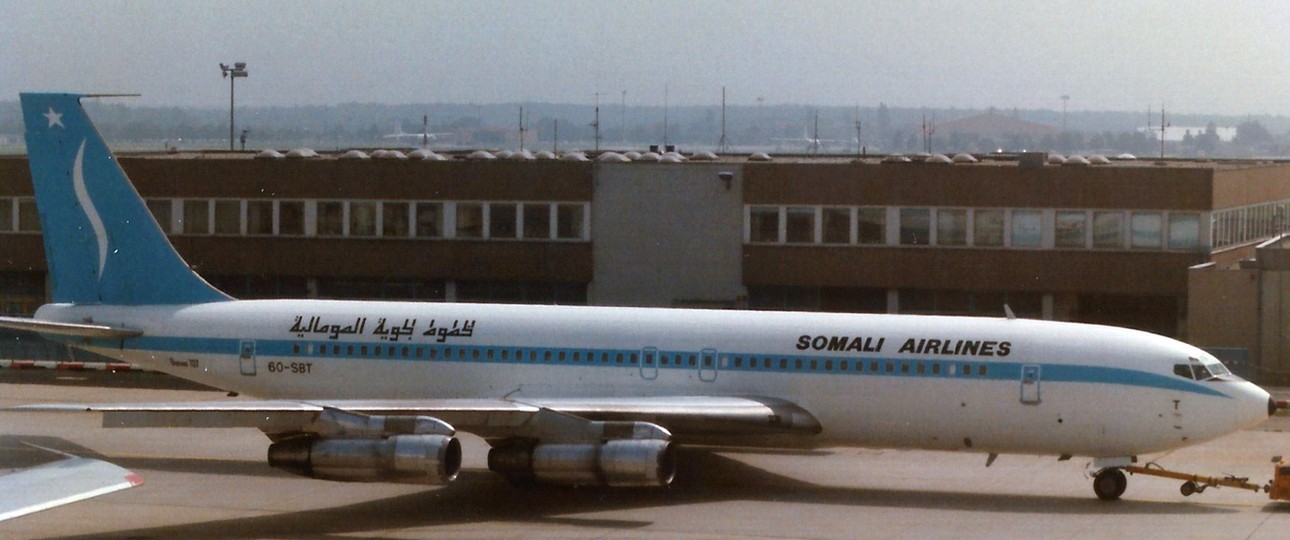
point(944, 383)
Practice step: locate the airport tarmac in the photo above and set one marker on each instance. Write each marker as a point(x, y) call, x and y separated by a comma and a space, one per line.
point(216, 484)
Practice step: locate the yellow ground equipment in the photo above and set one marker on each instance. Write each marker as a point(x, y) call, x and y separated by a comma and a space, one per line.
point(1194, 483)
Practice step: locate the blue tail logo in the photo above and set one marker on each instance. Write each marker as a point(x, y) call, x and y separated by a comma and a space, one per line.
point(102, 245)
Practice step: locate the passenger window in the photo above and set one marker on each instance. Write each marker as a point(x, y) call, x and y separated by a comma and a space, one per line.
point(922, 368)
point(632, 358)
point(447, 353)
point(980, 371)
point(815, 364)
point(783, 363)
point(475, 354)
point(378, 351)
point(936, 369)
point(349, 349)
point(693, 361)
point(739, 361)
point(363, 350)
point(490, 354)
point(967, 370)
point(904, 368)
point(295, 348)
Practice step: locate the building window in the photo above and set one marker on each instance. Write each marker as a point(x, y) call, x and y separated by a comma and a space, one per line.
point(800, 225)
point(569, 221)
point(915, 226)
point(6, 215)
point(331, 218)
point(394, 219)
point(951, 227)
point(429, 220)
point(1070, 230)
point(160, 208)
point(259, 218)
point(1108, 230)
point(1145, 230)
point(537, 221)
point(28, 216)
point(837, 225)
point(362, 218)
point(1027, 228)
point(763, 224)
point(470, 220)
point(196, 217)
point(228, 217)
point(871, 225)
point(291, 218)
point(987, 228)
point(502, 220)
point(1184, 230)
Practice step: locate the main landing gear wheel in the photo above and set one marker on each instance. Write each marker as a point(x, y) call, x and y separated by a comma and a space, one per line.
point(1109, 484)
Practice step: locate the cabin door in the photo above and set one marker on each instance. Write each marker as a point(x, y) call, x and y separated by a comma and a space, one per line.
point(649, 363)
point(708, 365)
point(1030, 384)
point(246, 358)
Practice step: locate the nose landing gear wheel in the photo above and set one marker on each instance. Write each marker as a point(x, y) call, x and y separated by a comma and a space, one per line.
point(1109, 484)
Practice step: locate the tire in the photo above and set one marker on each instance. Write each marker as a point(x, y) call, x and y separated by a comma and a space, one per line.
point(1109, 484)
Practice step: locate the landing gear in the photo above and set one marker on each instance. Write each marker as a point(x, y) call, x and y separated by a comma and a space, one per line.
point(1109, 484)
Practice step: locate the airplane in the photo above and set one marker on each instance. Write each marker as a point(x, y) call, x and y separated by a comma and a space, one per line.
point(375, 391)
point(813, 144)
point(425, 136)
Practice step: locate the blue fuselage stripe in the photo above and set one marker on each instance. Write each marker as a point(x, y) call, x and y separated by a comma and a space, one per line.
point(650, 359)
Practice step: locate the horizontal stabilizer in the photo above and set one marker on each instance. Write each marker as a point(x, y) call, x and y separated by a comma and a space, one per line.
point(68, 329)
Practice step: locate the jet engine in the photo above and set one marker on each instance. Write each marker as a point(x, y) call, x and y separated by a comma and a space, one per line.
point(405, 459)
point(616, 463)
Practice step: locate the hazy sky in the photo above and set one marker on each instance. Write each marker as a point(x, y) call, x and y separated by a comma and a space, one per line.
point(1228, 57)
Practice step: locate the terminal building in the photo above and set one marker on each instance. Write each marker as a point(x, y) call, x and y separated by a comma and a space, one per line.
point(1110, 243)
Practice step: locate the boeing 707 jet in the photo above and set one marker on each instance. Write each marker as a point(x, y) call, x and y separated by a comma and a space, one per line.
point(578, 395)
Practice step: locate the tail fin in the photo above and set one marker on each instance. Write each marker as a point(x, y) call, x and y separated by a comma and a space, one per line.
point(102, 245)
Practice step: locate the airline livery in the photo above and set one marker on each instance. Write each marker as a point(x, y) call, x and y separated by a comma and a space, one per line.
point(376, 391)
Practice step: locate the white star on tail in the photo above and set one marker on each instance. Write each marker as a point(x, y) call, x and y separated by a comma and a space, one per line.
point(55, 118)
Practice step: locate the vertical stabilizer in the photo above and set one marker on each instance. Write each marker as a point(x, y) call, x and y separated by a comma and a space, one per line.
point(102, 245)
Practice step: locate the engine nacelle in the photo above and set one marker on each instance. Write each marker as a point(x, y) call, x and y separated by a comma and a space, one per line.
point(617, 463)
point(404, 459)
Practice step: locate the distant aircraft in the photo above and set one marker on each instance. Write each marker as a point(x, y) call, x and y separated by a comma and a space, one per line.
point(376, 391)
point(425, 136)
point(813, 144)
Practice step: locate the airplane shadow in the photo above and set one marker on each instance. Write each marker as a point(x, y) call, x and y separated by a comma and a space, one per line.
point(481, 496)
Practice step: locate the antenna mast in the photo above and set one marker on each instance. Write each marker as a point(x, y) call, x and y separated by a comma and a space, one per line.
point(595, 125)
point(722, 147)
point(522, 130)
point(859, 145)
point(1163, 125)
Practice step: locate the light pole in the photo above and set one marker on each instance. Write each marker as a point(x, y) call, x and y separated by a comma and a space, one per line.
point(232, 73)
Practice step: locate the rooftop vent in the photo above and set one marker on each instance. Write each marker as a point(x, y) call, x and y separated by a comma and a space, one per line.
point(649, 156)
point(895, 159)
point(703, 156)
point(481, 155)
point(759, 156)
point(964, 158)
point(574, 156)
point(632, 155)
point(1056, 159)
point(302, 153)
point(613, 157)
point(269, 153)
point(544, 155)
point(355, 154)
point(1076, 161)
point(1098, 159)
point(938, 159)
point(392, 154)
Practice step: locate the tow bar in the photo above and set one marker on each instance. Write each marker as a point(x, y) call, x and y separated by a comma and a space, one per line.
point(1194, 483)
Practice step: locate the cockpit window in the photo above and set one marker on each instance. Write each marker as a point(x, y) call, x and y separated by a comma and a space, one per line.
point(1197, 371)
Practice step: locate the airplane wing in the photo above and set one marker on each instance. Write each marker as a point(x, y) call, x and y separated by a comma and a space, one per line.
point(690, 419)
point(61, 482)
